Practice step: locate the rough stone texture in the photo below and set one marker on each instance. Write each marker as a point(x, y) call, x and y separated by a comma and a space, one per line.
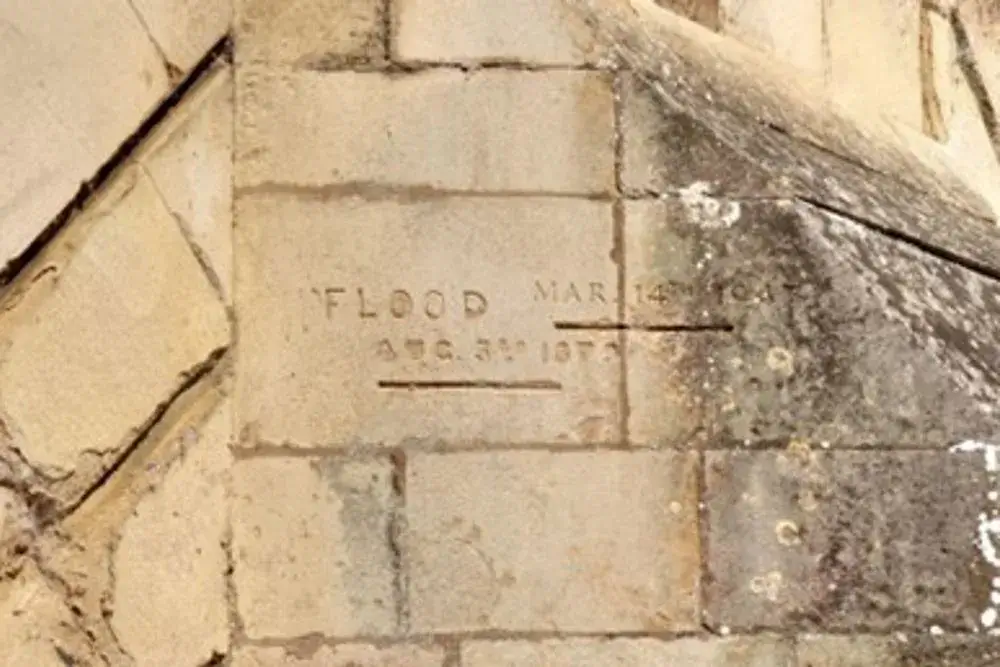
point(846, 541)
point(539, 32)
point(185, 30)
point(62, 122)
point(792, 31)
point(903, 651)
point(313, 34)
point(590, 542)
point(190, 162)
point(450, 303)
point(492, 130)
point(344, 655)
point(311, 549)
point(794, 324)
point(106, 334)
point(664, 152)
point(169, 565)
point(744, 652)
point(886, 32)
point(39, 628)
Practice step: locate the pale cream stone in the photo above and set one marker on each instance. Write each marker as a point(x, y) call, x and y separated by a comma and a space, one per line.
point(792, 31)
point(344, 655)
point(170, 565)
point(874, 50)
point(39, 630)
point(190, 162)
point(75, 85)
point(967, 142)
point(112, 333)
point(531, 31)
point(309, 33)
point(445, 320)
point(569, 542)
point(491, 130)
point(185, 30)
point(311, 545)
point(761, 651)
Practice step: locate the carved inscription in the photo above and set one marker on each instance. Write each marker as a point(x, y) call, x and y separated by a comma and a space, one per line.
point(398, 304)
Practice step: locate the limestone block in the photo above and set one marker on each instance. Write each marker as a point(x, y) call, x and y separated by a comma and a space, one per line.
point(76, 84)
point(170, 565)
point(316, 34)
point(521, 541)
point(539, 32)
point(705, 12)
point(185, 30)
point(762, 651)
point(492, 130)
point(848, 541)
point(342, 655)
point(106, 333)
point(874, 51)
point(792, 31)
point(437, 320)
point(310, 542)
point(189, 159)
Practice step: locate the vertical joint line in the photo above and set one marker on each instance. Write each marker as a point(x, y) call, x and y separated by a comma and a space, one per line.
point(387, 23)
point(618, 253)
point(396, 528)
point(704, 573)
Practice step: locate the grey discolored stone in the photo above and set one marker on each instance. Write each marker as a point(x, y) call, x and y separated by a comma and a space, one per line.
point(921, 650)
point(846, 541)
point(765, 321)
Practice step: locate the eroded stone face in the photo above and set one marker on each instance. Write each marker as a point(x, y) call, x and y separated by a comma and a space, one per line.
point(107, 334)
point(572, 542)
point(846, 541)
point(444, 320)
point(311, 548)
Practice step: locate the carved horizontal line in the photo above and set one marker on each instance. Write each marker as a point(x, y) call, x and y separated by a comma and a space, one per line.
point(664, 328)
point(496, 385)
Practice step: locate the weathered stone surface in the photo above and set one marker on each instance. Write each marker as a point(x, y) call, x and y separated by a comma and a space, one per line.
point(106, 334)
point(343, 655)
point(846, 541)
point(185, 30)
point(705, 12)
point(567, 542)
point(190, 162)
point(785, 125)
point(39, 628)
point(311, 549)
point(743, 652)
point(793, 322)
point(491, 130)
point(880, 31)
point(170, 563)
point(902, 651)
point(540, 32)
point(315, 34)
point(76, 84)
point(665, 152)
point(442, 320)
point(791, 31)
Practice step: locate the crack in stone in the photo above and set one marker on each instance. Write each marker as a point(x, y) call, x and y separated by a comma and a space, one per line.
point(174, 73)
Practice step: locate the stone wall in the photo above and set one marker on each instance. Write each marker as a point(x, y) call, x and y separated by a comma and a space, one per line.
point(457, 333)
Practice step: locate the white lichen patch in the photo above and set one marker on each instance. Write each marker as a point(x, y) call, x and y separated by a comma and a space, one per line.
point(988, 529)
point(707, 211)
